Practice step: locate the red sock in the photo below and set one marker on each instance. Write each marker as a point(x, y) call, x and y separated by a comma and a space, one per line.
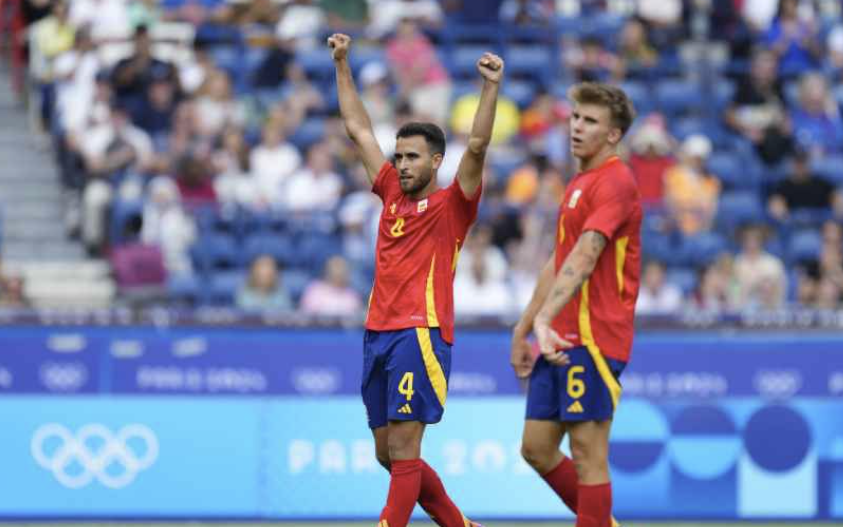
point(563, 480)
point(595, 506)
point(435, 501)
point(404, 487)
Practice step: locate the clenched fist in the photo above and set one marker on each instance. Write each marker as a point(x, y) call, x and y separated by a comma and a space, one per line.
point(490, 67)
point(339, 44)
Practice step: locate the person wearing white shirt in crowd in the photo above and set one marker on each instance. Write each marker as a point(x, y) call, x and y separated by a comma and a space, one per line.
point(109, 19)
point(479, 246)
point(234, 183)
point(388, 13)
point(168, 226)
point(657, 297)
point(272, 162)
point(760, 276)
point(302, 22)
point(315, 186)
point(75, 73)
point(477, 292)
point(332, 294)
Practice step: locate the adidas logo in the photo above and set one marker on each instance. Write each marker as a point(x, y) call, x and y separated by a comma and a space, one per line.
point(575, 408)
point(407, 410)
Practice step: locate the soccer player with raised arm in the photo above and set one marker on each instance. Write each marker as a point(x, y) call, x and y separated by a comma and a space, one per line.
point(582, 311)
point(410, 323)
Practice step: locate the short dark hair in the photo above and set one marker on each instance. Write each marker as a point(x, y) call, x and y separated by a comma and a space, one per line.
point(433, 135)
point(615, 99)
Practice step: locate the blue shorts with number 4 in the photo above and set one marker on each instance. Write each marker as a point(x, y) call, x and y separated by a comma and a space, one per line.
point(405, 375)
point(586, 389)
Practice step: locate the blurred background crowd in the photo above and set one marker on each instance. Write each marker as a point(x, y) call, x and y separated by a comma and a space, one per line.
point(201, 156)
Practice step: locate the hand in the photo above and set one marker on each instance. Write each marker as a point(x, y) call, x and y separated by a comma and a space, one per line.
point(339, 44)
point(521, 357)
point(490, 67)
point(551, 344)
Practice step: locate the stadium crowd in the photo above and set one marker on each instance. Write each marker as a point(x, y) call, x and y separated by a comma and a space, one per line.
point(201, 139)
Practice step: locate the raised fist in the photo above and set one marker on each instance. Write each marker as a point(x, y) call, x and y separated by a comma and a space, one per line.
point(490, 67)
point(339, 44)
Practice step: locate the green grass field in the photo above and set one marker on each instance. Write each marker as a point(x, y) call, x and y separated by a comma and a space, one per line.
point(660, 523)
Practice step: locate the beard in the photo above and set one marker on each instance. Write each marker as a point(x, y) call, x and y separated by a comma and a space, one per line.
point(417, 183)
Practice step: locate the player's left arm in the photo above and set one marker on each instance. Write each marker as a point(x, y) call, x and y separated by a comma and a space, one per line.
point(470, 171)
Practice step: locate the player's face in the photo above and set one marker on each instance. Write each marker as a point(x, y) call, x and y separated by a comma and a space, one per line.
point(592, 130)
point(416, 166)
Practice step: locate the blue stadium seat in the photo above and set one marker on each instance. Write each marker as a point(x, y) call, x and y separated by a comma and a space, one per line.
point(535, 62)
point(311, 131)
point(830, 168)
point(703, 248)
point(296, 281)
point(734, 170)
point(277, 245)
point(317, 64)
point(684, 278)
point(219, 251)
point(804, 245)
point(521, 92)
point(640, 95)
point(184, 287)
point(684, 127)
point(678, 97)
point(314, 251)
point(737, 208)
point(224, 285)
point(724, 91)
point(462, 61)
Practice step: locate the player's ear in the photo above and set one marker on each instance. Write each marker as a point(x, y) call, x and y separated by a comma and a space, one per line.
point(437, 161)
point(615, 135)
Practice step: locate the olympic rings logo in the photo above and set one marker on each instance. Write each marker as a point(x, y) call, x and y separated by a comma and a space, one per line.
point(94, 453)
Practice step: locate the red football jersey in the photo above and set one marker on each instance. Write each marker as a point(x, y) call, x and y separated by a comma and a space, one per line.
point(416, 256)
point(600, 316)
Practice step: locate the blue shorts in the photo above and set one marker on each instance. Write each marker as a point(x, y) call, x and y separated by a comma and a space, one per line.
point(405, 375)
point(584, 390)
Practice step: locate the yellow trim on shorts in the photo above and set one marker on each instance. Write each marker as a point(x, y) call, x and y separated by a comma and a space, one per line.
point(431, 364)
point(587, 337)
point(620, 260)
point(432, 319)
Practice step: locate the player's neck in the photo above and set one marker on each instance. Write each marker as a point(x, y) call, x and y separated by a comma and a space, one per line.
point(598, 159)
point(425, 192)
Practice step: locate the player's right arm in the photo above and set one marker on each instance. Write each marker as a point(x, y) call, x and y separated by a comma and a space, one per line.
point(354, 116)
point(521, 357)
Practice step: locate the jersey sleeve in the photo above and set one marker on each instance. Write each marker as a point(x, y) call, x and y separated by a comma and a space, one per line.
point(612, 204)
point(386, 182)
point(465, 208)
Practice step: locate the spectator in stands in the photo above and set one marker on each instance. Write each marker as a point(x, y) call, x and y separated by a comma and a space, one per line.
point(829, 295)
point(833, 63)
point(234, 183)
point(302, 22)
point(527, 12)
point(264, 14)
point(657, 296)
point(132, 75)
point(111, 152)
point(664, 18)
point(391, 13)
point(194, 178)
point(544, 126)
point(12, 293)
point(472, 12)
point(301, 97)
point(376, 95)
point(422, 79)
point(108, 19)
point(49, 38)
point(479, 246)
point(691, 191)
point(264, 290)
point(272, 70)
point(803, 190)
point(651, 158)
point(757, 110)
point(589, 60)
point(478, 292)
point(717, 287)
point(359, 217)
point(346, 16)
point(167, 226)
point(272, 162)
point(154, 113)
point(145, 13)
point(637, 56)
point(75, 72)
point(314, 187)
point(332, 295)
point(816, 120)
point(760, 276)
point(216, 106)
point(794, 40)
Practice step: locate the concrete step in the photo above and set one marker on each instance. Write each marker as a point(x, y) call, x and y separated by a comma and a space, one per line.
point(17, 250)
point(87, 294)
point(15, 176)
point(67, 270)
point(53, 212)
point(28, 190)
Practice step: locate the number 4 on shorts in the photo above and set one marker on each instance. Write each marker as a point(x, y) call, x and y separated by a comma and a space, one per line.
point(405, 387)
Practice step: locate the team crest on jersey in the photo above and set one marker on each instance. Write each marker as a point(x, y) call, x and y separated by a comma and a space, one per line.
point(392, 209)
point(575, 197)
point(422, 206)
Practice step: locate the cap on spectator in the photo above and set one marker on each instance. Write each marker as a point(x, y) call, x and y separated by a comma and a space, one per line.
point(697, 145)
point(373, 72)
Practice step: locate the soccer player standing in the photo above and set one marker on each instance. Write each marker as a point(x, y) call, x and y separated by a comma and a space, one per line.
point(582, 311)
point(410, 324)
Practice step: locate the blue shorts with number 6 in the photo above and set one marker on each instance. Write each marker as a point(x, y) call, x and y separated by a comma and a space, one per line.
point(586, 389)
point(405, 375)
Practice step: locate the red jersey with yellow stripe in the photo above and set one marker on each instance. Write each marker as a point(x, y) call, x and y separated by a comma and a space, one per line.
point(416, 255)
point(600, 316)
